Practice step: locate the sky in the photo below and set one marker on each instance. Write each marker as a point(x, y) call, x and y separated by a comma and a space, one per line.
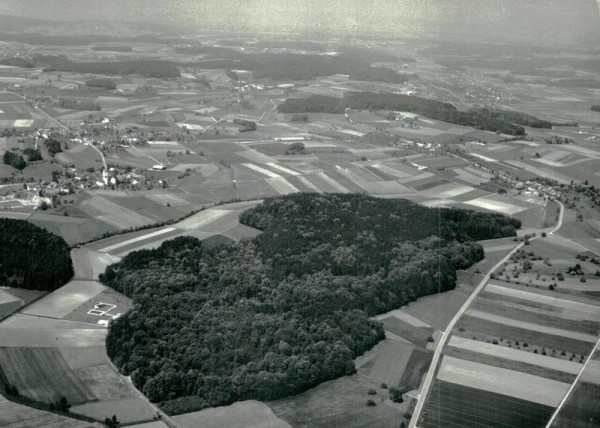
point(549, 21)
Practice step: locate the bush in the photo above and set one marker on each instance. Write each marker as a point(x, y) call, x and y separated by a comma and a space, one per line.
point(396, 394)
point(371, 403)
point(371, 391)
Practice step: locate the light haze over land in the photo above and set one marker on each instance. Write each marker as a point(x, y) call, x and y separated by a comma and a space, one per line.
point(535, 21)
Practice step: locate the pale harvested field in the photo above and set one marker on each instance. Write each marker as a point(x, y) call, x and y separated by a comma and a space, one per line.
point(571, 309)
point(127, 411)
point(515, 355)
point(530, 326)
point(24, 321)
point(282, 168)
point(337, 186)
point(447, 191)
point(282, 186)
point(201, 219)
point(13, 415)
point(309, 185)
point(243, 414)
point(154, 234)
point(66, 299)
point(498, 206)
point(38, 338)
point(502, 381)
point(262, 170)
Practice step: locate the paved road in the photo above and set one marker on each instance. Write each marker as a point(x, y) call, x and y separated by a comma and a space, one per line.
point(422, 397)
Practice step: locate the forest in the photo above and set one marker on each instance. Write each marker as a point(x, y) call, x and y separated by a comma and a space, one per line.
point(32, 257)
point(289, 309)
point(101, 83)
point(481, 118)
point(143, 67)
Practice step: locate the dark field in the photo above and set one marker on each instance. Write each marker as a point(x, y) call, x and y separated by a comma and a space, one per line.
point(452, 405)
point(477, 357)
point(582, 410)
point(484, 330)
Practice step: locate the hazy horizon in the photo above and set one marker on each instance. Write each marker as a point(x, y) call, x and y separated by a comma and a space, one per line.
point(533, 21)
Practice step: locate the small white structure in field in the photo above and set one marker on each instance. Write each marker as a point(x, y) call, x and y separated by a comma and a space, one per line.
point(159, 167)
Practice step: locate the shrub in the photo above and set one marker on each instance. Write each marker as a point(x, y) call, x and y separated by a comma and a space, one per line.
point(396, 394)
point(371, 403)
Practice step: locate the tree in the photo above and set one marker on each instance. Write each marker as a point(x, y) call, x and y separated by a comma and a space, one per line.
point(14, 160)
point(396, 394)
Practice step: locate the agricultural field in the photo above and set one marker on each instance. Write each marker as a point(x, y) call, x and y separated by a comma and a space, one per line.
point(13, 415)
point(153, 156)
point(243, 414)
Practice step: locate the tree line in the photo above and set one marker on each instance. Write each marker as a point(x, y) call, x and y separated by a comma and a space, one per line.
point(32, 257)
point(283, 312)
point(481, 118)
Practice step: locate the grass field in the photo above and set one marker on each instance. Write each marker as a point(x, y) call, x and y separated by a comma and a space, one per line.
point(437, 310)
point(582, 409)
point(417, 335)
point(66, 299)
point(483, 329)
point(340, 403)
point(497, 307)
point(127, 411)
point(510, 364)
point(386, 362)
point(455, 405)
point(572, 307)
point(417, 366)
point(13, 415)
point(243, 414)
point(43, 375)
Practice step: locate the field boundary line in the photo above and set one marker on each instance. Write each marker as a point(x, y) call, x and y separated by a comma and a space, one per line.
point(573, 385)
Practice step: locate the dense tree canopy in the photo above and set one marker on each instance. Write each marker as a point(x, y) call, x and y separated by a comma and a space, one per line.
point(32, 257)
point(273, 316)
point(14, 159)
point(481, 118)
point(101, 83)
